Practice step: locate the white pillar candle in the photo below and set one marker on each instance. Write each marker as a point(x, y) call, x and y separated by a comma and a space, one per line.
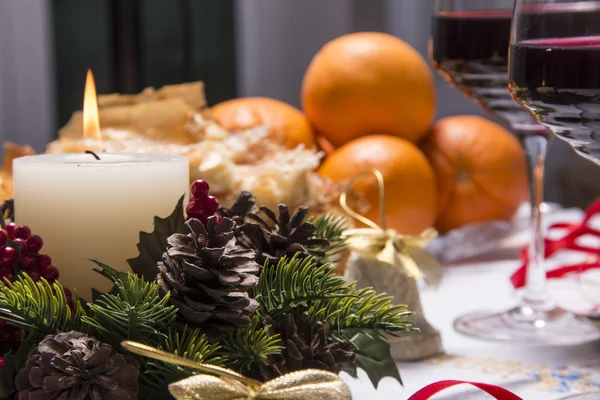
point(85, 208)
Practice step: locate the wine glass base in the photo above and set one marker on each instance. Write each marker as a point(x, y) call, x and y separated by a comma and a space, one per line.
point(522, 325)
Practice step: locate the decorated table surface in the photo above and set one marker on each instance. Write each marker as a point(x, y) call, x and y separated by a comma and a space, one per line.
point(548, 373)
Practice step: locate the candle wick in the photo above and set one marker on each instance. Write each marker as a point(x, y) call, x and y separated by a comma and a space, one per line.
point(92, 153)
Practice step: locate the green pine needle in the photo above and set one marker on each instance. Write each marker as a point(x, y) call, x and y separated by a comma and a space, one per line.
point(38, 306)
point(331, 227)
point(188, 343)
point(302, 284)
point(362, 309)
point(296, 282)
point(250, 345)
point(192, 344)
point(136, 312)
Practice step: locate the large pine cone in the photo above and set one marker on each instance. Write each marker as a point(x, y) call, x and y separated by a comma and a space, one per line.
point(305, 347)
point(208, 276)
point(274, 237)
point(73, 366)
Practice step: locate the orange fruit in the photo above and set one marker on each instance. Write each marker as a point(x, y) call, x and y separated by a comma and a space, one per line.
point(285, 122)
point(369, 83)
point(481, 171)
point(410, 186)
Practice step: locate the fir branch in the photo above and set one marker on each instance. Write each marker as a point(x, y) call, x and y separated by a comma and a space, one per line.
point(294, 283)
point(188, 343)
point(39, 306)
point(362, 309)
point(191, 343)
point(135, 312)
point(245, 347)
point(302, 284)
point(331, 227)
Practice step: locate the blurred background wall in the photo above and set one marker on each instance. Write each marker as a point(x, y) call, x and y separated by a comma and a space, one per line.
point(239, 47)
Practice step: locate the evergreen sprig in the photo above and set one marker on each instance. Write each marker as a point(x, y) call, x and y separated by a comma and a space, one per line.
point(331, 227)
point(304, 284)
point(135, 312)
point(362, 309)
point(245, 347)
point(294, 283)
point(188, 343)
point(39, 306)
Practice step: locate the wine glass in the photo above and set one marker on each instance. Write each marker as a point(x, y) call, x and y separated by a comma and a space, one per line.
point(554, 73)
point(469, 47)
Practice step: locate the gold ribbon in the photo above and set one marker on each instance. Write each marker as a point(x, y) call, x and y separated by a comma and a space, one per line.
point(387, 245)
point(217, 383)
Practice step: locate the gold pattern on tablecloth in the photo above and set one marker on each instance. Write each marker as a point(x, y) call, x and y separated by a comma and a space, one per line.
point(548, 378)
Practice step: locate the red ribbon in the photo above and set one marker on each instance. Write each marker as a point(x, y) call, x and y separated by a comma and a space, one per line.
point(567, 242)
point(496, 391)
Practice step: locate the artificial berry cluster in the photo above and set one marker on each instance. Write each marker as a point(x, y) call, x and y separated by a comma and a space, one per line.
point(20, 252)
point(201, 205)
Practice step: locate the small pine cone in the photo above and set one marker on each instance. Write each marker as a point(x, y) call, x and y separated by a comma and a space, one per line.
point(244, 204)
point(306, 346)
point(208, 276)
point(73, 366)
point(275, 237)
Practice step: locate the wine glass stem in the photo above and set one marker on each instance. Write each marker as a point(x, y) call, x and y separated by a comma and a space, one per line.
point(536, 297)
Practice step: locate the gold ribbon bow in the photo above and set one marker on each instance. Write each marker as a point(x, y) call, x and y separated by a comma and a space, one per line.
point(219, 383)
point(387, 245)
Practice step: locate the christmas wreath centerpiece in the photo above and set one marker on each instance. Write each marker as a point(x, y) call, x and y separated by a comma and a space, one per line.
point(243, 292)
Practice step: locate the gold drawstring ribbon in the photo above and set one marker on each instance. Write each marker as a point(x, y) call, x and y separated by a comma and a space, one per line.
point(221, 383)
point(387, 245)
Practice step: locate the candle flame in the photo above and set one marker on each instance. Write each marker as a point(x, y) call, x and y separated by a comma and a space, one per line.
point(91, 123)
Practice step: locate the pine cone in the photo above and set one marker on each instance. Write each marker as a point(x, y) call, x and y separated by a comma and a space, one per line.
point(306, 347)
point(271, 237)
point(208, 276)
point(244, 204)
point(73, 366)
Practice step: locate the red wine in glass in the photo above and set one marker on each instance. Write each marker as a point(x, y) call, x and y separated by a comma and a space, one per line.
point(558, 80)
point(470, 49)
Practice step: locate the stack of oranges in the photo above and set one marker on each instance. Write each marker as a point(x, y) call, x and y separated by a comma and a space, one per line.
point(369, 102)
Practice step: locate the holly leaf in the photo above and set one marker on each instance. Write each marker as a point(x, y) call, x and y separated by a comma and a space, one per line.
point(13, 362)
point(372, 355)
point(153, 245)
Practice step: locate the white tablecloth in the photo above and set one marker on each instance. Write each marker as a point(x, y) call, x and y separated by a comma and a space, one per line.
point(547, 373)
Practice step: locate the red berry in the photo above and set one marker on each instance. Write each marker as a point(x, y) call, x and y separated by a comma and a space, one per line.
point(194, 209)
point(8, 256)
point(200, 188)
point(50, 274)
point(34, 276)
point(211, 205)
point(1, 363)
point(10, 229)
point(23, 243)
point(22, 232)
point(6, 275)
point(27, 263)
point(3, 237)
point(35, 244)
point(43, 261)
